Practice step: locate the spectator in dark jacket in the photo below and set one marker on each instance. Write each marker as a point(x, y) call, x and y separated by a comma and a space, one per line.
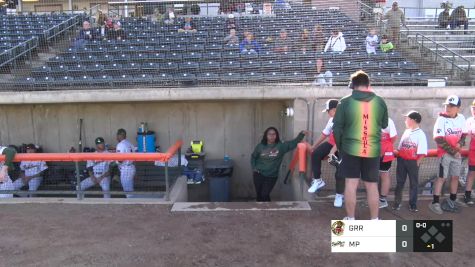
point(188, 26)
point(459, 17)
point(444, 17)
point(117, 33)
point(85, 35)
point(282, 44)
point(318, 40)
point(231, 23)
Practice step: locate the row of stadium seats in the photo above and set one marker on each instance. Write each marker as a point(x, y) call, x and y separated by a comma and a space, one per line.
point(166, 79)
point(176, 56)
point(307, 66)
point(19, 35)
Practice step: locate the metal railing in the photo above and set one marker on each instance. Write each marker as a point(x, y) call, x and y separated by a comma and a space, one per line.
point(65, 179)
point(421, 40)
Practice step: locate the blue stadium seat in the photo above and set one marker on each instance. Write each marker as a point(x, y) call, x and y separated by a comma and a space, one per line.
point(210, 66)
point(333, 65)
point(231, 66)
point(41, 71)
point(251, 65)
point(208, 77)
point(186, 77)
point(212, 56)
point(408, 66)
point(157, 57)
point(192, 56)
point(309, 66)
point(150, 68)
point(270, 65)
point(114, 69)
point(401, 76)
point(178, 48)
point(231, 55)
point(253, 76)
point(174, 56)
point(369, 66)
point(388, 66)
point(77, 70)
point(196, 47)
point(168, 67)
point(275, 76)
point(350, 66)
point(230, 77)
point(189, 66)
point(213, 47)
point(290, 65)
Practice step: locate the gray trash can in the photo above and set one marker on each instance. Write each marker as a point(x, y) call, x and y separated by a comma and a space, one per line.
point(218, 173)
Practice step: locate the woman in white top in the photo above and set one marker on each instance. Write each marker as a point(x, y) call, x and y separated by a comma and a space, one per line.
point(336, 42)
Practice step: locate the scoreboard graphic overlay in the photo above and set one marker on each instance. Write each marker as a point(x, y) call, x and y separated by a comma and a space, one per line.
point(391, 236)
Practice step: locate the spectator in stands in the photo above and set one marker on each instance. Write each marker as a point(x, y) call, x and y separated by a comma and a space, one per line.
point(459, 17)
point(101, 18)
point(318, 39)
point(106, 28)
point(249, 45)
point(385, 45)
point(232, 38)
point(323, 77)
point(158, 15)
point(169, 16)
point(395, 18)
point(231, 23)
point(336, 42)
point(444, 16)
point(372, 41)
point(86, 34)
point(11, 6)
point(304, 45)
point(266, 160)
point(188, 26)
point(117, 33)
point(282, 44)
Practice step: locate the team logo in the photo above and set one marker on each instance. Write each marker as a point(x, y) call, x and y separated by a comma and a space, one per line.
point(338, 228)
point(340, 244)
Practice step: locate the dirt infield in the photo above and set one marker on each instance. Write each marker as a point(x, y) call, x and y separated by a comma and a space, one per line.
point(151, 235)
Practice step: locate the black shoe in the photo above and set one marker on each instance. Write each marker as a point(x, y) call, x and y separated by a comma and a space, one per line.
point(334, 160)
point(396, 206)
point(468, 201)
point(413, 208)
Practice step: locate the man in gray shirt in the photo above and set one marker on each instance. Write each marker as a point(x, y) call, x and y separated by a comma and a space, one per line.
point(395, 18)
point(232, 38)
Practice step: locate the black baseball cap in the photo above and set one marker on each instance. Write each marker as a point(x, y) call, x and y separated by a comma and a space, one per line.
point(416, 116)
point(121, 132)
point(330, 104)
point(30, 146)
point(99, 140)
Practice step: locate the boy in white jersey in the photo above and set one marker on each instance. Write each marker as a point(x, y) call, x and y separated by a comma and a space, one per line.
point(449, 133)
point(98, 171)
point(32, 172)
point(5, 167)
point(412, 149)
point(127, 168)
point(471, 157)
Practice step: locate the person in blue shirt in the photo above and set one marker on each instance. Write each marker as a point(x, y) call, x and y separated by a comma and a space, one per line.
point(249, 45)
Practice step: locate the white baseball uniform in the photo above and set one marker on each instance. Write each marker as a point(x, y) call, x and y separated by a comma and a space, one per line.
point(31, 168)
point(99, 168)
point(127, 168)
point(8, 184)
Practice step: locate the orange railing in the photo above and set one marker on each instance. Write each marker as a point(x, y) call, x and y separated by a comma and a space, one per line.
point(75, 157)
point(78, 157)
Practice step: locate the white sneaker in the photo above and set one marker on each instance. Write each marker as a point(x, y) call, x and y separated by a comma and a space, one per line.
point(338, 203)
point(383, 204)
point(316, 184)
point(348, 219)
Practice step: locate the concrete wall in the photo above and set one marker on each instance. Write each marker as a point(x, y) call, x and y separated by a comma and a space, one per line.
point(229, 120)
point(231, 128)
